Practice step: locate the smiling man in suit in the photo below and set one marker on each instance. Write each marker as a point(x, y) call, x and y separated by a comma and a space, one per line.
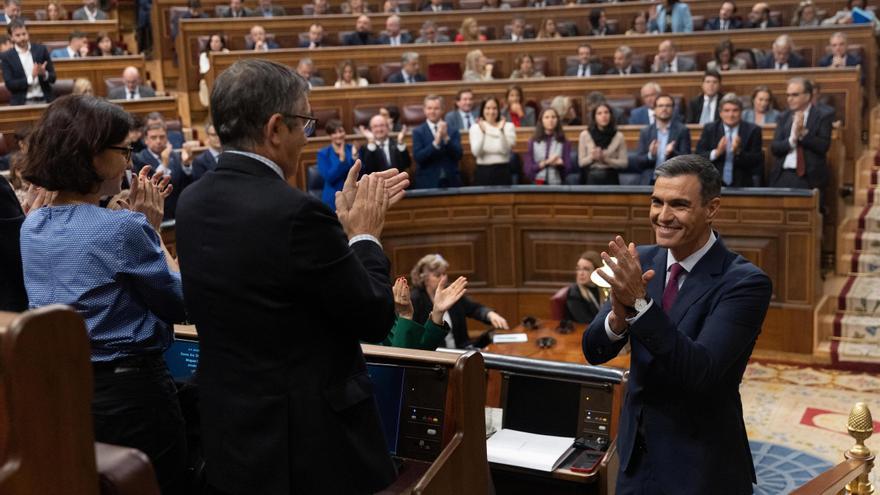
point(801, 141)
point(623, 65)
point(464, 115)
point(691, 310)
point(160, 156)
point(383, 151)
point(662, 140)
point(284, 394)
point(726, 19)
point(585, 67)
point(734, 146)
point(27, 68)
point(436, 148)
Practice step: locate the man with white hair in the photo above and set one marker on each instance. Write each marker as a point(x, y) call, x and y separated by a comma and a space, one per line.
point(306, 68)
point(837, 55)
point(409, 70)
point(667, 59)
point(783, 56)
point(393, 36)
point(623, 65)
point(132, 89)
point(383, 151)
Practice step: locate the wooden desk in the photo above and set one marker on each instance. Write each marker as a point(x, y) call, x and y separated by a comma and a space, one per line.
point(96, 69)
point(44, 31)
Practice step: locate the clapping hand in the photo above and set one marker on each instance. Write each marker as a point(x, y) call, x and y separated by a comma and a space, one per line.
point(670, 149)
point(368, 134)
point(148, 195)
point(401, 135)
point(628, 282)
point(36, 198)
point(402, 302)
point(737, 144)
point(653, 148)
point(166, 154)
point(446, 297)
point(722, 146)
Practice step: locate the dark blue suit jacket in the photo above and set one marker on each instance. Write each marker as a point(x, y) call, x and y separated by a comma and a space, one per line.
point(436, 167)
point(178, 178)
point(397, 78)
point(16, 79)
point(203, 164)
point(639, 116)
point(685, 372)
point(714, 24)
point(795, 61)
point(678, 132)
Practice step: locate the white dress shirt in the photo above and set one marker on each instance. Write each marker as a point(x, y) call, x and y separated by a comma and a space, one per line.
point(790, 161)
point(92, 16)
point(708, 116)
point(688, 264)
point(27, 63)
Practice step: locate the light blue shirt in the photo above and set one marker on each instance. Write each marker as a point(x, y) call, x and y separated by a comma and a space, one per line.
point(662, 142)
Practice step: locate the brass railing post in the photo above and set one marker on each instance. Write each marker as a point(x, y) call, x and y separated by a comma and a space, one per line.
point(860, 426)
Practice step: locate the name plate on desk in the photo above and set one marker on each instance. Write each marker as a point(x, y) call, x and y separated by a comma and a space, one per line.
point(509, 338)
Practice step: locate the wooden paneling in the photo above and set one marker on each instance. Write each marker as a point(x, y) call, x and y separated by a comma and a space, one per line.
point(547, 248)
point(12, 118)
point(43, 31)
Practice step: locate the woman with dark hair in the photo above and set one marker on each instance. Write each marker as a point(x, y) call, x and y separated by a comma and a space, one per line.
point(584, 299)
point(599, 23)
point(105, 47)
point(334, 161)
point(763, 109)
point(673, 16)
point(601, 148)
point(492, 140)
point(639, 24)
point(112, 267)
point(525, 64)
point(216, 43)
point(516, 110)
point(548, 30)
point(724, 60)
point(548, 160)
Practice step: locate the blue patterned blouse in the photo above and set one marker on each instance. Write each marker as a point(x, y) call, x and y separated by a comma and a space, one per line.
point(109, 266)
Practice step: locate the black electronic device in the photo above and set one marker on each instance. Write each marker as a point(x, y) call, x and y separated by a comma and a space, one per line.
point(565, 327)
point(530, 323)
point(545, 342)
point(586, 461)
point(411, 401)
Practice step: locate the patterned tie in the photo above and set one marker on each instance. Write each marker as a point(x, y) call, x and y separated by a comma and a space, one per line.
point(728, 159)
point(671, 291)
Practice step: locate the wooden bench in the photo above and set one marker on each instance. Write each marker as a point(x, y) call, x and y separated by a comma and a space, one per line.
point(11, 118)
point(288, 29)
point(97, 69)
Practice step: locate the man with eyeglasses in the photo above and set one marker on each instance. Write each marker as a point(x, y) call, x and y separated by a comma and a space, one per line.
point(160, 155)
point(282, 291)
point(662, 140)
point(801, 141)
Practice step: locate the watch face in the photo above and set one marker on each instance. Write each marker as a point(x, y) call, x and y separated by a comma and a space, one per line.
point(641, 305)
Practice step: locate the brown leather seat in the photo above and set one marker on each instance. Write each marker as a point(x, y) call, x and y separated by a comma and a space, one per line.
point(124, 471)
point(323, 115)
point(112, 82)
point(387, 69)
point(62, 87)
point(413, 115)
point(362, 115)
point(5, 95)
point(557, 304)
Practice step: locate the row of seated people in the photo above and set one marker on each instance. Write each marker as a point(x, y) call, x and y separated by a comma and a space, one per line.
point(54, 11)
point(478, 67)
point(599, 157)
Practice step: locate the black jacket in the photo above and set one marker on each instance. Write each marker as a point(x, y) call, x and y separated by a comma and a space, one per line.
point(815, 145)
point(748, 163)
point(458, 313)
point(16, 79)
point(375, 161)
point(12, 294)
point(695, 109)
point(281, 303)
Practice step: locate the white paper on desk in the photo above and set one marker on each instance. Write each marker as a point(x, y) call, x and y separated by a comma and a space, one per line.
point(528, 450)
point(509, 338)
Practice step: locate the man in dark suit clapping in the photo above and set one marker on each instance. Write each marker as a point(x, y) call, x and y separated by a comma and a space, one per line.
point(282, 291)
point(662, 140)
point(27, 68)
point(734, 146)
point(436, 148)
point(382, 151)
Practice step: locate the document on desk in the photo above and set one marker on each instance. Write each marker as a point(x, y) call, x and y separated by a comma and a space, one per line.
point(509, 338)
point(527, 450)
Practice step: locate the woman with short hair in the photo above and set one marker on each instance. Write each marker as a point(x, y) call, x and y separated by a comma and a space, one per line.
point(112, 267)
point(334, 162)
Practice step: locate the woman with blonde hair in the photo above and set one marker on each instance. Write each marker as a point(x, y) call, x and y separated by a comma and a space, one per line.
point(429, 273)
point(346, 76)
point(477, 67)
point(82, 86)
point(469, 31)
point(548, 30)
point(566, 110)
point(805, 15)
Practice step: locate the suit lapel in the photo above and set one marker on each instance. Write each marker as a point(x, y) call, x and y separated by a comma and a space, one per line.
point(699, 281)
point(656, 284)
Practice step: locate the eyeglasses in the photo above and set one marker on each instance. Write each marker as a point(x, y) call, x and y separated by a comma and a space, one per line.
point(309, 126)
point(126, 150)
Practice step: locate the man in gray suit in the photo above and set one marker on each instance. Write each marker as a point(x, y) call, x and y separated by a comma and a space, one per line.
point(464, 114)
point(89, 12)
point(585, 66)
point(667, 60)
point(132, 89)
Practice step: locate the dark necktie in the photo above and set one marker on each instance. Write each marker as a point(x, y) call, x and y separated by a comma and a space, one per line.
point(671, 291)
point(467, 123)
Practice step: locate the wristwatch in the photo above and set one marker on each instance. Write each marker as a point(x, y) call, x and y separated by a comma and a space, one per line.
point(639, 305)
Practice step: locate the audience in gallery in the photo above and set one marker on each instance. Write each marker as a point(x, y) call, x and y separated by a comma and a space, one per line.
point(477, 67)
point(763, 109)
point(672, 16)
point(623, 65)
point(409, 70)
point(430, 34)
point(759, 17)
point(320, 7)
point(207, 160)
point(306, 68)
point(425, 277)
point(601, 149)
point(129, 291)
point(391, 7)
point(160, 156)
point(334, 161)
point(393, 35)
point(704, 108)
point(516, 108)
point(724, 58)
point(726, 19)
point(315, 37)
point(82, 86)
point(90, 12)
point(55, 12)
point(525, 64)
point(469, 31)
point(435, 6)
point(28, 71)
point(362, 34)
point(734, 146)
point(495, 5)
point(845, 15)
point(596, 98)
point(548, 30)
point(638, 25)
point(11, 11)
point(193, 11)
point(583, 298)
point(492, 140)
point(77, 46)
point(783, 56)
point(548, 159)
point(266, 9)
point(464, 115)
point(805, 15)
point(105, 47)
point(258, 41)
point(382, 151)
point(665, 138)
point(131, 89)
point(436, 148)
point(432, 334)
point(354, 7)
point(346, 76)
point(599, 23)
point(236, 10)
point(517, 30)
point(838, 55)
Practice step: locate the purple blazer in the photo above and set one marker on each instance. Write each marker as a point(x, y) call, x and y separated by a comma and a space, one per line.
point(530, 164)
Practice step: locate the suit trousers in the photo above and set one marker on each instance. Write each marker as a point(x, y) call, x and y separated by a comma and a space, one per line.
point(639, 477)
point(135, 405)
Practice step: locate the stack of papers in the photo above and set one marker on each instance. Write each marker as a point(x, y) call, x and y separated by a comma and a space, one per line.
point(527, 450)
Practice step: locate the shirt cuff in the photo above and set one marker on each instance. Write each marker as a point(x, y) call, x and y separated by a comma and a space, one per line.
point(187, 169)
point(713, 155)
point(372, 146)
point(401, 146)
point(635, 318)
point(436, 146)
point(363, 237)
point(613, 337)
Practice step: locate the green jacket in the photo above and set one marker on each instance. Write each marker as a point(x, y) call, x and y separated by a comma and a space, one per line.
point(407, 333)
